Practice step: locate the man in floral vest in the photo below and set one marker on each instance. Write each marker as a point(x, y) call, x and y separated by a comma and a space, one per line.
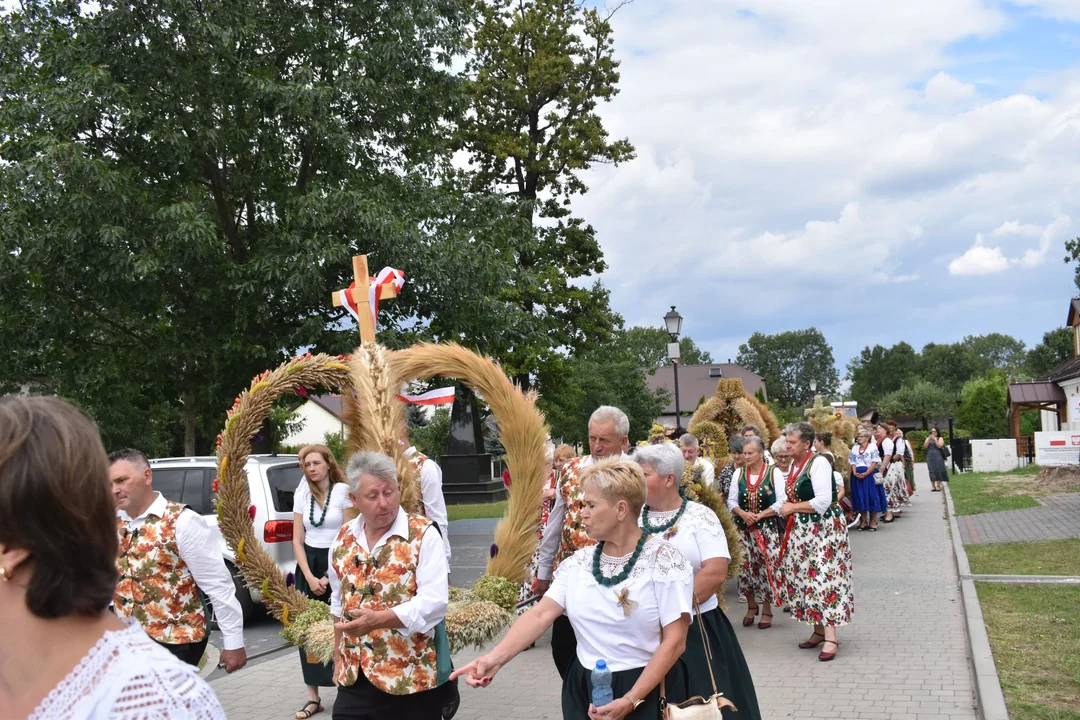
point(389, 590)
point(167, 555)
point(609, 431)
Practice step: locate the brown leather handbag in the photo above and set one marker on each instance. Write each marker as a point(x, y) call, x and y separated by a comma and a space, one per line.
point(698, 708)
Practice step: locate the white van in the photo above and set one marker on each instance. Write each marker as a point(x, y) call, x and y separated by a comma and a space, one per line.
point(272, 479)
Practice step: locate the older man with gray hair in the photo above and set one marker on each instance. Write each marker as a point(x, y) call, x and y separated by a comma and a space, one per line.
point(564, 534)
point(389, 588)
point(691, 452)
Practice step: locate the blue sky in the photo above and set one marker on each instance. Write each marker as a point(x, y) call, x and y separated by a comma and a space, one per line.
point(884, 171)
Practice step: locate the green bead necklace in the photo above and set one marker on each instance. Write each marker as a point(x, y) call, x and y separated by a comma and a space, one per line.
point(616, 579)
point(662, 527)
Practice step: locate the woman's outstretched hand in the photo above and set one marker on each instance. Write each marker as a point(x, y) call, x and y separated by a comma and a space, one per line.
point(479, 673)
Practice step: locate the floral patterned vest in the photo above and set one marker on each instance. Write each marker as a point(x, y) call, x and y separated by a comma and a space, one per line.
point(759, 501)
point(801, 489)
point(394, 661)
point(574, 536)
point(417, 460)
point(156, 587)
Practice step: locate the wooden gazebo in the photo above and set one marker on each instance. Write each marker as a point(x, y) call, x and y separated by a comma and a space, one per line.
point(1038, 395)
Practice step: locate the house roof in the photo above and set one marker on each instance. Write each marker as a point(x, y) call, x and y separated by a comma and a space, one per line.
point(329, 403)
point(695, 383)
point(1074, 313)
point(1030, 393)
point(1067, 370)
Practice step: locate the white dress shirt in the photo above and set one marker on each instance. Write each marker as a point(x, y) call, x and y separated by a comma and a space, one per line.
point(699, 537)
point(549, 545)
point(427, 608)
point(200, 551)
point(779, 487)
point(708, 472)
point(432, 494)
point(324, 535)
point(661, 588)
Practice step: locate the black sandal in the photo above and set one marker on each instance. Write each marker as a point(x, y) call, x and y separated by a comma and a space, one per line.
point(303, 713)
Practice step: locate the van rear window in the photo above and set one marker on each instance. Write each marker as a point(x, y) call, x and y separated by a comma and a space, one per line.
point(283, 480)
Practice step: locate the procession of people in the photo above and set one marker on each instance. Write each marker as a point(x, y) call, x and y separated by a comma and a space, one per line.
point(628, 573)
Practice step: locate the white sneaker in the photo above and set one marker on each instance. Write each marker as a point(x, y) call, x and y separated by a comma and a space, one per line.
point(742, 598)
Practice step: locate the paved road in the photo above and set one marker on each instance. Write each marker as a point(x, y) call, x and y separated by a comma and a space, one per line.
point(1054, 519)
point(903, 658)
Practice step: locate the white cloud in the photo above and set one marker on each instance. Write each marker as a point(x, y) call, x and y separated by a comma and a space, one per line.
point(943, 88)
point(979, 260)
point(1012, 227)
point(982, 260)
point(1064, 9)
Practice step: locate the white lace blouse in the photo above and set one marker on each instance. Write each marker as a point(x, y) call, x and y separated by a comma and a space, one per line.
point(699, 536)
point(128, 676)
point(621, 624)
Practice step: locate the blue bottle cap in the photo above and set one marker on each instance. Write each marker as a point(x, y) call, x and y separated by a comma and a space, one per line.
point(601, 665)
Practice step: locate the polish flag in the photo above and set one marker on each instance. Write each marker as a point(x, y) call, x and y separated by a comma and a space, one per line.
point(440, 396)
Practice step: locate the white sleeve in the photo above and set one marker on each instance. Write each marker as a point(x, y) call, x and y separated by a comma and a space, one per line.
point(199, 550)
point(708, 474)
point(427, 608)
point(549, 545)
point(733, 495)
point(712, 541)
point(335, 581)
point(674, 587)
point(780, 486)
point(300, 498)
point(821, 478)
point(434, 502)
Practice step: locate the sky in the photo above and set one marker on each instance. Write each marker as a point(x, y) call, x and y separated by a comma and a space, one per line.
point(882, 171)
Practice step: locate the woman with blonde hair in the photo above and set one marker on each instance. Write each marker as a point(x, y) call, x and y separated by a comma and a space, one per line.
point(319, 508)
point(628, 598)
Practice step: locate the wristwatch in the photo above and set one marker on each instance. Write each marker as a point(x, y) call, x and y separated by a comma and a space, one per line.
point(633, 701)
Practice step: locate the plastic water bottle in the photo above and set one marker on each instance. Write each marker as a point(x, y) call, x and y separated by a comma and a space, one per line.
point(601, 685)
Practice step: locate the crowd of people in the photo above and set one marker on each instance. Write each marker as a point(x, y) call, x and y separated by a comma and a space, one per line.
point(627, 570)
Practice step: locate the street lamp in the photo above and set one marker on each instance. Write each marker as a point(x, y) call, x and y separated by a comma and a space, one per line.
point(813, 386)
point(673, 323)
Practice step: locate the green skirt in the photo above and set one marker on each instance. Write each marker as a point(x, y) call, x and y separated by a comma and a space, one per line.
point(577, 692)
point(729, 667)
point(315, 673)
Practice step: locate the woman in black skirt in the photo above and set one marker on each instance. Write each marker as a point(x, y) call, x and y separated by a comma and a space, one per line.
point(319, 505)
point(628, 598)
point(697, 532)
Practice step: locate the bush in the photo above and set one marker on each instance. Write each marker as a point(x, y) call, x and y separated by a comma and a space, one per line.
point(917, 438)
point(983, 406)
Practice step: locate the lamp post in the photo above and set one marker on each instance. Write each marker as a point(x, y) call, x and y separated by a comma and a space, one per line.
point(813, 387)
point(673, 324)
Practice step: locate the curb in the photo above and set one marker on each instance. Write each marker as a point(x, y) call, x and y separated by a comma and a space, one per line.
point(1028, 579)
point(210, 661)
point(989, 699)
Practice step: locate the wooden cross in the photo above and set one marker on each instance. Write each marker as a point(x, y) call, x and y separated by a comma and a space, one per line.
point(360, 296)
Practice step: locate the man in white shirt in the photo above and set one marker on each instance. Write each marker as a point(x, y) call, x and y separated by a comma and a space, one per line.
point(564, 534)
point(691, 452)
point(167, 555)
point(432, 502)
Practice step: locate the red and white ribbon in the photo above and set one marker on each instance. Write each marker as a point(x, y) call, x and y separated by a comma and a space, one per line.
point(440, 396)
point(387, 276)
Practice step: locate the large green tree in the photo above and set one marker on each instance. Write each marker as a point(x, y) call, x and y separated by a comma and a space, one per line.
point(536, 74)
point(650, 346)
point(949, 366)
point(922, 400)
point(184, 182)
point(996, 351)
point(789, 361)
point(878, 371)
point(984, 406)
point(1056, 347)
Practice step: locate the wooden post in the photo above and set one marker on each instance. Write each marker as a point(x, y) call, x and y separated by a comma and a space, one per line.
point(360, 297)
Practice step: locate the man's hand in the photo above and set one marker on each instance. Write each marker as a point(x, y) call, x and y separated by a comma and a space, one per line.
point(232, 660)
point(539, 587)
point(362, 622)
point(480, 672)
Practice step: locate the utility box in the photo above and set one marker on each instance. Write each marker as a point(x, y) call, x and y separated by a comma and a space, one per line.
point(993, 455)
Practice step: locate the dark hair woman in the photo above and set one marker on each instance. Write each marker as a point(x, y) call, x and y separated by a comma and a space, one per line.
point(58, 549)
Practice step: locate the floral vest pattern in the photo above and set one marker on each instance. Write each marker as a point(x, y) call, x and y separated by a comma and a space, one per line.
point(801, 489)
point(394, 661)
point(417, 460)
point(574, 536)
point(156, 587)
point(759, 501)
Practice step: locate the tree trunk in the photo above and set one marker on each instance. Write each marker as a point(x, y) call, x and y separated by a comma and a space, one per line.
point(925, 425)
point(189, 422)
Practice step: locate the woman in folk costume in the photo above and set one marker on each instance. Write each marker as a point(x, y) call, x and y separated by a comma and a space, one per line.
point(867, 496)
point(547, 497)
point(629, 599)
point(389, 594)
point(696, 531)
point(815, 559)
point(755, 499)
point(892, 469)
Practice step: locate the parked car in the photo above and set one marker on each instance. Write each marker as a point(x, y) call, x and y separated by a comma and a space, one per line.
point(272, 479)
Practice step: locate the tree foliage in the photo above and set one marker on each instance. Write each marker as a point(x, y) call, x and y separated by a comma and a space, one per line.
point(922, 400)
point(431, 437)
point(996, 351)
point(948, 366)
point(878, 371)
point(789, 361)
point(1056, 347)
point(650, 345)
point(537, 72)
point(983, 408)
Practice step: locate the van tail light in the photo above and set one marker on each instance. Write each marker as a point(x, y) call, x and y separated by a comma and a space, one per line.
point(277, 531)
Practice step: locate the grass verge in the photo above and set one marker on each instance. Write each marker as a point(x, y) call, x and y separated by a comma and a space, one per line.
point(1035, 634)
point(476, 510)
point(1047, 557)
point(975, 493)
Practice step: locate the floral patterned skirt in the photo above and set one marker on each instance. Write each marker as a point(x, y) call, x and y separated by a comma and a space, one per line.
point(754, 574)
point(896, 488)
point(816, 570)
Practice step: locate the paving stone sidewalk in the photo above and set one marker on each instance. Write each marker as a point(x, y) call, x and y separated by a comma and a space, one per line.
point(1056, 518)
point(903, 658)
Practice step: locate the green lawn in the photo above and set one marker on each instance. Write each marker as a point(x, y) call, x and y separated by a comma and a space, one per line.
point(1035, 634)
point(1048, 557)
point(476, 510)
point(975, 493)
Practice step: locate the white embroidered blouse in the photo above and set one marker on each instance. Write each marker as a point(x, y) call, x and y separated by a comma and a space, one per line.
point(128, 676)
point(621, 624)
point(699, 536)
